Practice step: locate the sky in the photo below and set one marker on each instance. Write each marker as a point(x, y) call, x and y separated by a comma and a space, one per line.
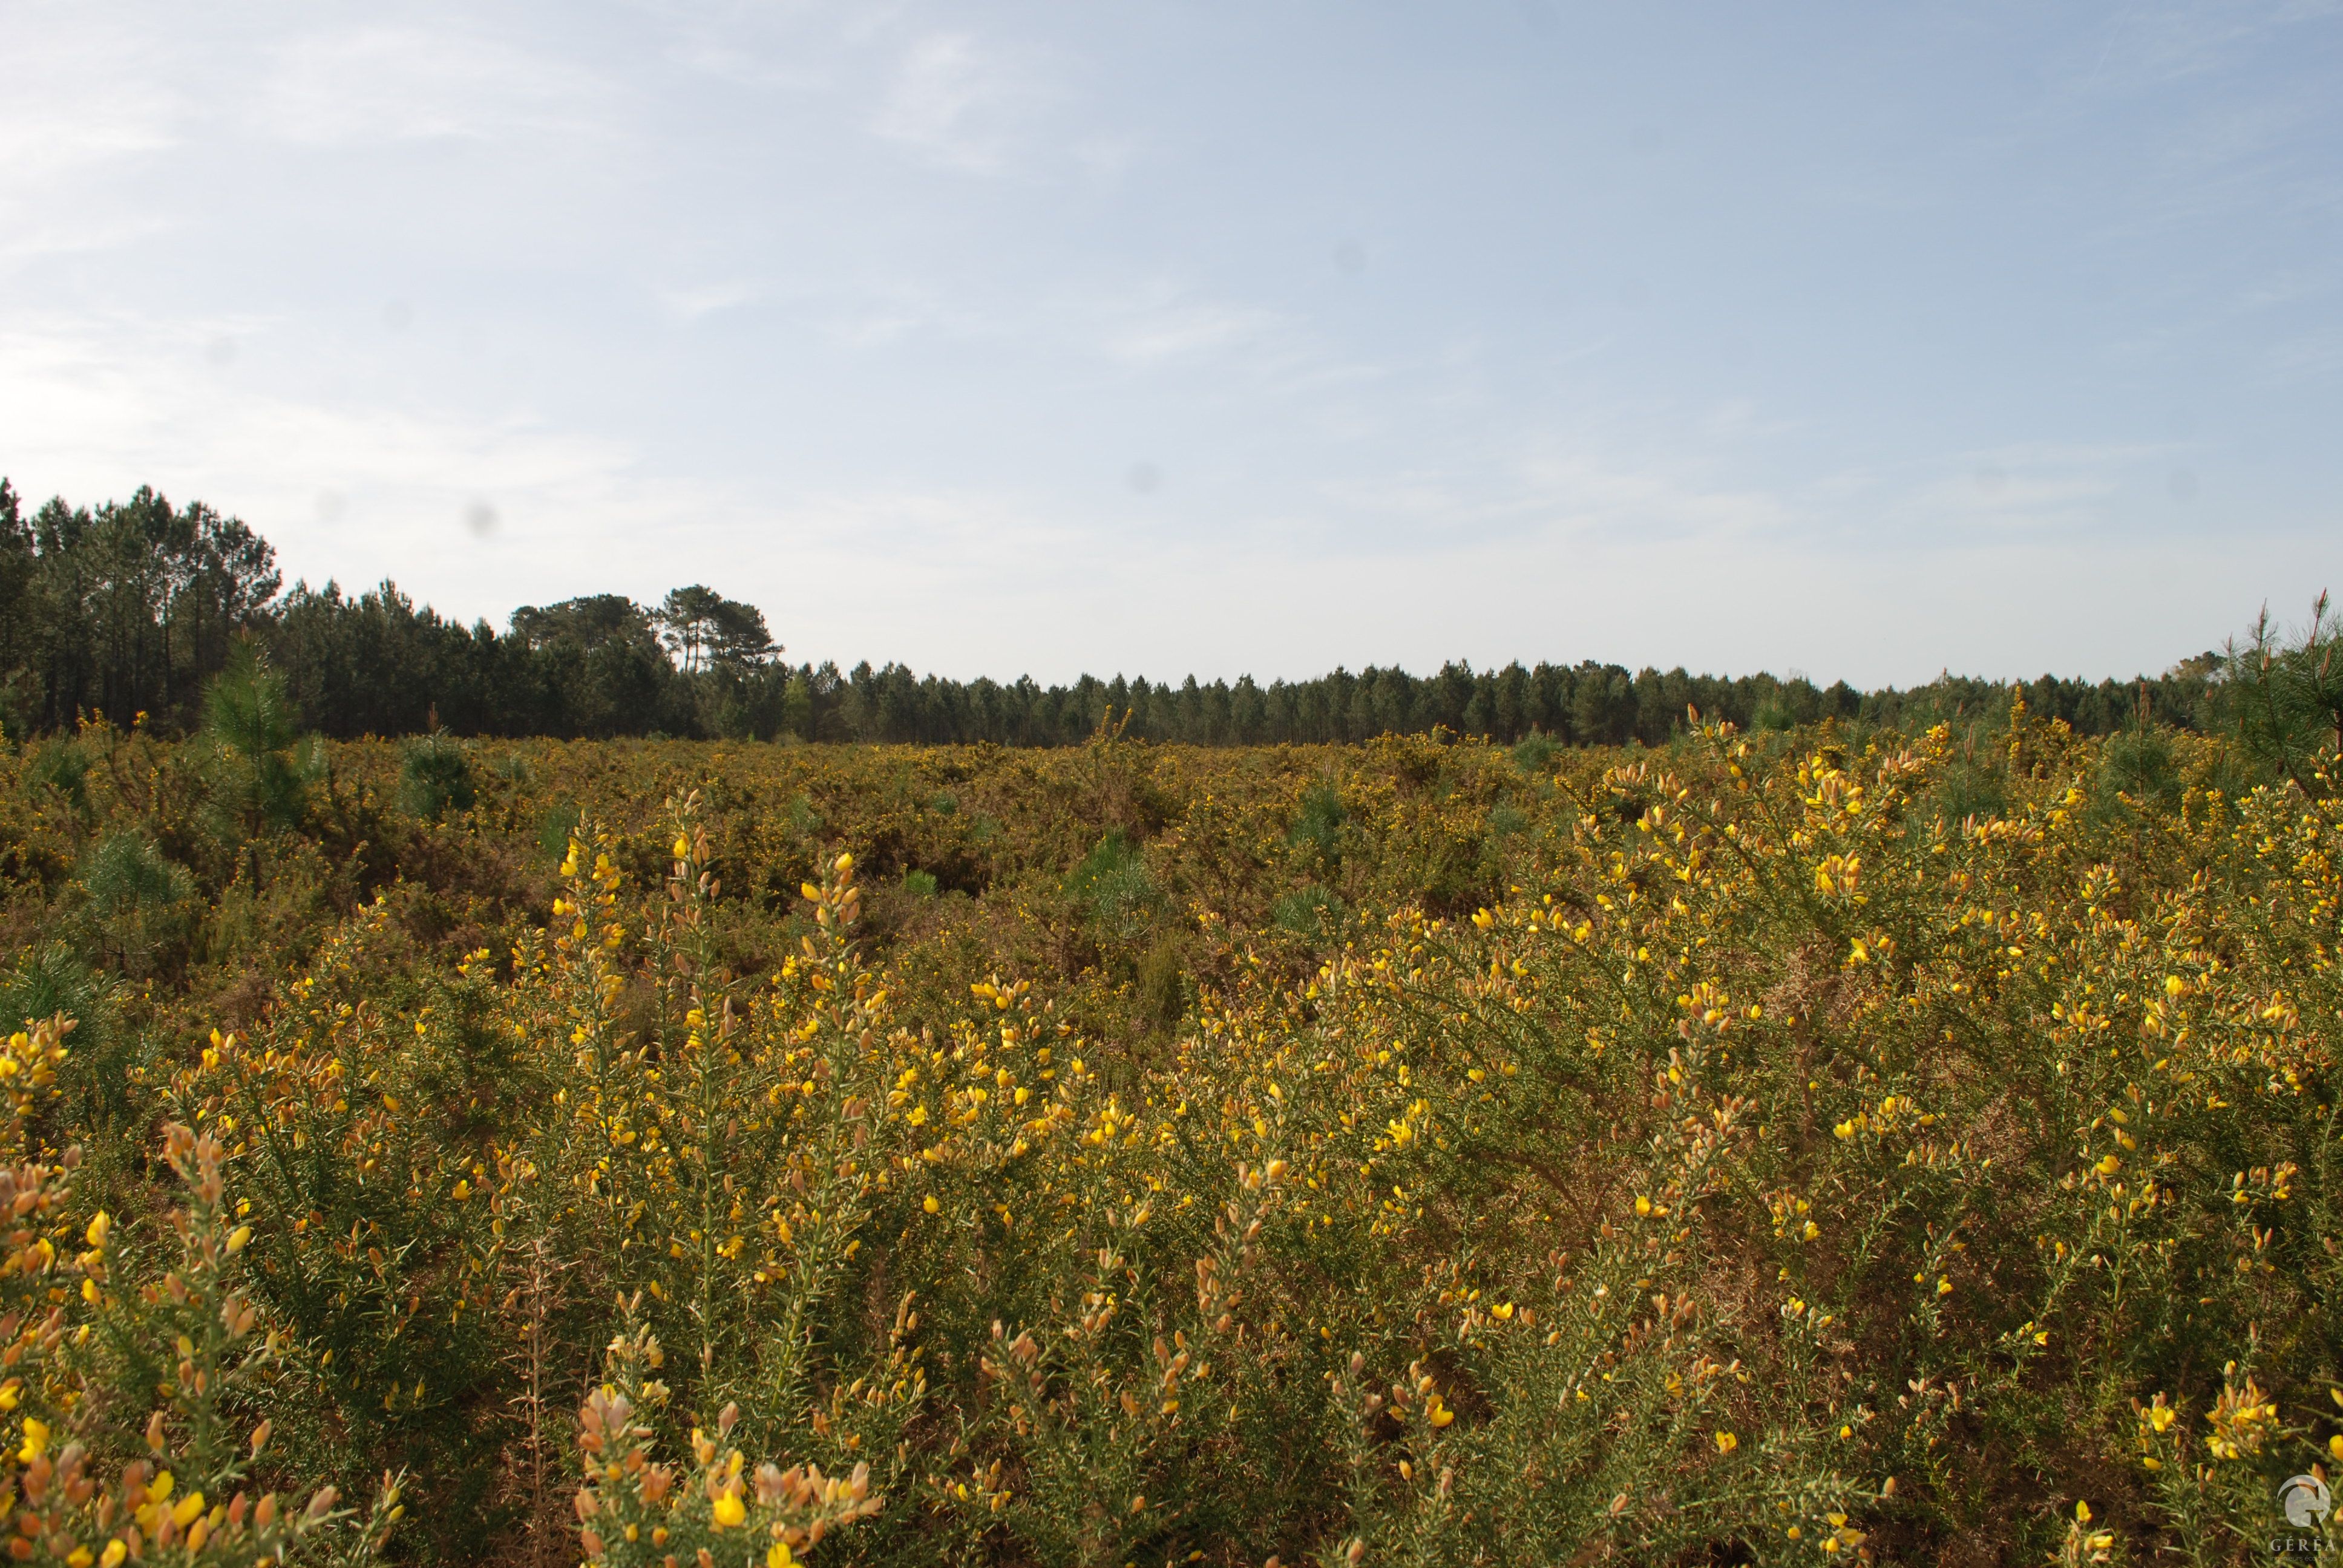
point(1859, 341)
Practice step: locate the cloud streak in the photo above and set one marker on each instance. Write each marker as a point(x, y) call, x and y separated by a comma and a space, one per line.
point(872, 315)
point(961, 103)
point(382, 84)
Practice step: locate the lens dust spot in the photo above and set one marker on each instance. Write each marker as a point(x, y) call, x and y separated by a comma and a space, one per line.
point(2181, 484)
point(1145, 479)
point(481, 519)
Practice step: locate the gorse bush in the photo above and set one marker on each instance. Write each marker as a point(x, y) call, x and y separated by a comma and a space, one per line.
point(97, 1326)
point(51, 984)
point(1792, 1147)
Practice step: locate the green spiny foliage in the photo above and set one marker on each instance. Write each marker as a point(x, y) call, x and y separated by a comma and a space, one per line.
point(2285, 695)
point(1113, 883)
point(250, 725)
point(1657, 1177)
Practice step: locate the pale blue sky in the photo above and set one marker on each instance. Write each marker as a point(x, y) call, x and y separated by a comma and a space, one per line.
point(1856, 339)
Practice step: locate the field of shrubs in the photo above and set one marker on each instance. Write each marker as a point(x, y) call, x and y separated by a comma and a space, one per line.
point(1804, 1146)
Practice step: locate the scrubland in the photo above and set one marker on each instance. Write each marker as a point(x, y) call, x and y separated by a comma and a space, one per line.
point(1801, 1147)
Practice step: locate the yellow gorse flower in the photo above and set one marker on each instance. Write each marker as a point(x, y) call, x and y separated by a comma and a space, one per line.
point(1541, 1108)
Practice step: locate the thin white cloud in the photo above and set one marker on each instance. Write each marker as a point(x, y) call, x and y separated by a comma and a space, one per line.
point(714, 51)
point(1186, 330)
point(960, 102)
point(688, 304)
point(387, 83)
point(348, 489)
point(81, 101)
point(2023, 494)
point(1569, 493)
point(48, 136)
point(1576, 551)
point(672, 288)
point(2143, 47)
point(1163, 326)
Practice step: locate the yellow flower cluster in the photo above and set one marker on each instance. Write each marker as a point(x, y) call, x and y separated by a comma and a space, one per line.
point(1406, 1152)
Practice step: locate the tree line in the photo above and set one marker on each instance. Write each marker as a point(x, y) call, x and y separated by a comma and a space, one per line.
point(128, 610)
